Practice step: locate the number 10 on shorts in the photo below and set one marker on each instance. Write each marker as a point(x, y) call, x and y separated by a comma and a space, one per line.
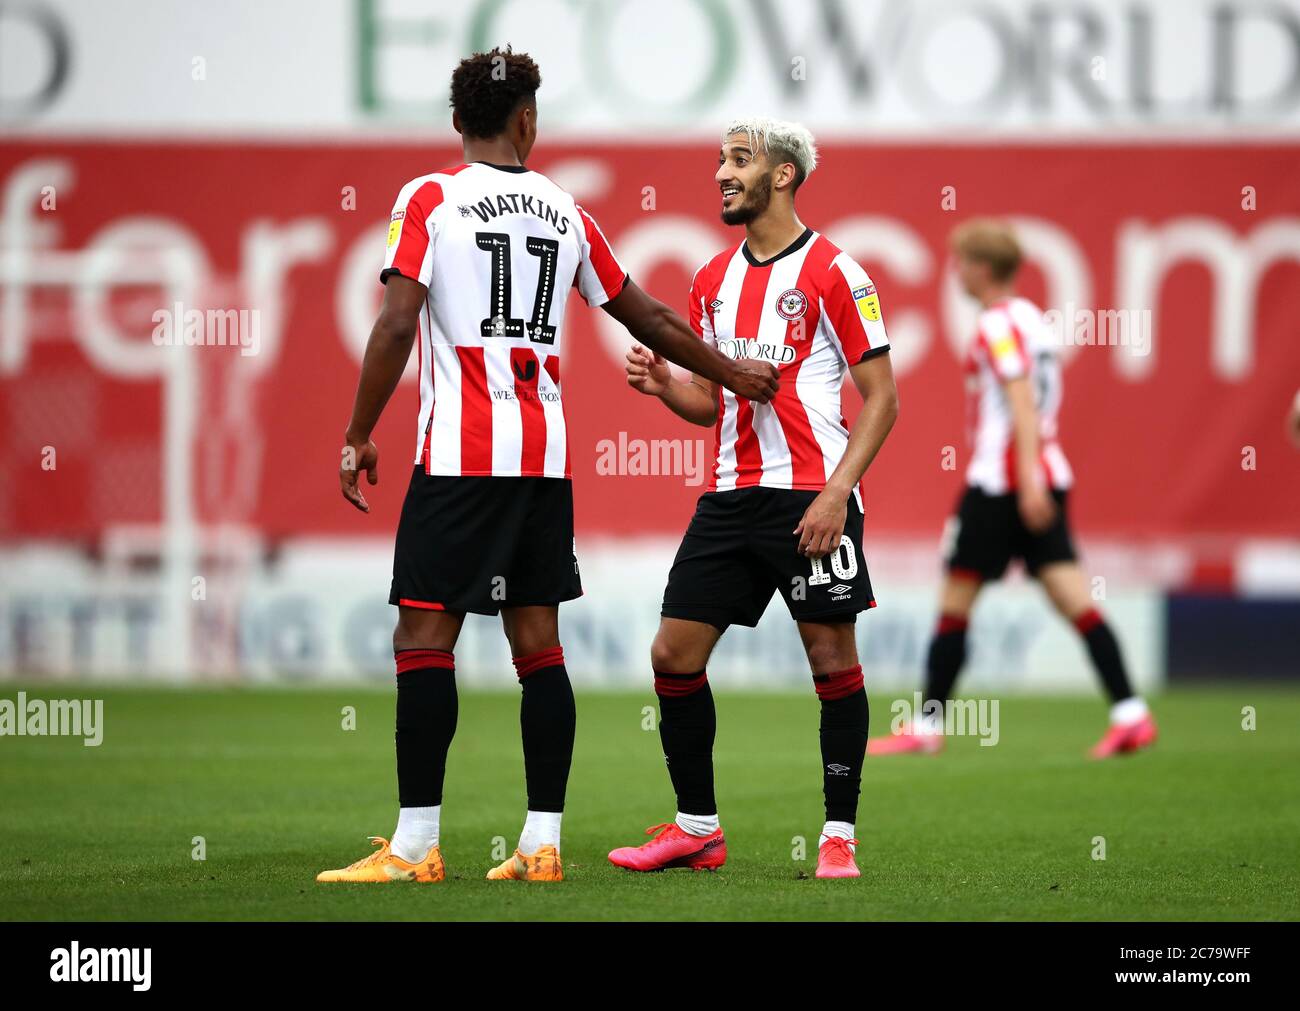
point(844, 563)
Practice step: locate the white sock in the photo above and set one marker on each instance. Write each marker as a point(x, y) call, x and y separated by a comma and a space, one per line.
point(417, 830)
point(1128, 710)
point(836, 830)
point(697, 824)
point(541, 828)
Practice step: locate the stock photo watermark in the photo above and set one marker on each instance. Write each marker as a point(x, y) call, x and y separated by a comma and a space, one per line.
point(75, 964)
point(178, 326)
point(955, 718)
point(1075, 326)
point(625, 457)
point(26, 717)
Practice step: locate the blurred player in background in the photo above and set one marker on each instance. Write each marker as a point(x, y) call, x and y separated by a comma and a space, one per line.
point(1014, 505)
point(784, 510)
point(481, 258)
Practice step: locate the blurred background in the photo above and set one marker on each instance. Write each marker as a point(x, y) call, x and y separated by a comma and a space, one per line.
point(171, 512)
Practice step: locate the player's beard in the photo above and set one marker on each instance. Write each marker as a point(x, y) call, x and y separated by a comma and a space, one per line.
point(754, 204)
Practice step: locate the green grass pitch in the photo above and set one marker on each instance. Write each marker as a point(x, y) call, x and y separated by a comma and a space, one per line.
point(1205, 826)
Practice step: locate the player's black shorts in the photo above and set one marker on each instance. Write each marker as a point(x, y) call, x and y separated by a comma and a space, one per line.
point(990, 533)
point(740, 547)
point(483, 543)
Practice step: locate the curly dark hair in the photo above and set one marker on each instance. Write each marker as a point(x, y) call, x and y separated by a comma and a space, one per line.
point(487, 87)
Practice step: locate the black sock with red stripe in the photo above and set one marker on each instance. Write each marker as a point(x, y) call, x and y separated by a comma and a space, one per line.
point(426, 723)
point(945, 659)
point(1103, 647)
point(547, 721)
point(688, 723)
point(844, 723)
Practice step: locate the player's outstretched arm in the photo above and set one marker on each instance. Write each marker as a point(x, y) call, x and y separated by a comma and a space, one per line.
point(822, 525)
point(386, 355)
point(661, 330)
point(648, 373)
point(1036, 507)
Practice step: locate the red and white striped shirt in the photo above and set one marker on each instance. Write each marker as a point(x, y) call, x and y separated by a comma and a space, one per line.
point(498, 248)
point(811, 311)
point(1012, 340)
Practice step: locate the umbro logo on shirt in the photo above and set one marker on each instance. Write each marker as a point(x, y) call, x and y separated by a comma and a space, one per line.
point(840, 588)
point(715, 303)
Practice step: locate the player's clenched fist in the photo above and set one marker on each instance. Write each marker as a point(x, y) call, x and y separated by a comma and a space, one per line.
point(753, 380)
point(647, 372)
point(358, 456)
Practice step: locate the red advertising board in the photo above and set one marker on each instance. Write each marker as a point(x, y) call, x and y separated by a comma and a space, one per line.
point(1186, 440)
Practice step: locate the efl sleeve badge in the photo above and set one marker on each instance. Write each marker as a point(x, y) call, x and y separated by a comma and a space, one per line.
point(395, 228)
point(868, 302)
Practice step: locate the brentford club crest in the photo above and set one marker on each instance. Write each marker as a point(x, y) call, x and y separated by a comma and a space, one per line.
point(792, 304)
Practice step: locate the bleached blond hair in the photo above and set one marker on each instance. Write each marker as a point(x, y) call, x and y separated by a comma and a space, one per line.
point(781, 140)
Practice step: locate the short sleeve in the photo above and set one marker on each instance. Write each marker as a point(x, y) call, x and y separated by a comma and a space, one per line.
point(701, 319)
point(1003, 345)
point(852, 309)
point(410, 247)
point(600, 275)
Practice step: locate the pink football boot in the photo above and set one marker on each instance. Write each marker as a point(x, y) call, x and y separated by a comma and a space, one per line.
point(906, 742)
point(835, 859)
point(673, 848)
point(1126, 738)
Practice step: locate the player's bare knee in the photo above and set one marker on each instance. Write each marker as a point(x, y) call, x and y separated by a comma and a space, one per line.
point(1071, 609)
point(670, 656)
point(829, 647)
point(957, 598)
point(827, 656)
point(417, 629)
point(406, 636)
point(682, 646)
point(524, 641)
point(531, 630)
point(532, 642)
point(1066, 589)
point(664, 655)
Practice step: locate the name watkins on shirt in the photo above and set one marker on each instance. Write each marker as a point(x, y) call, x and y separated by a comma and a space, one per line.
point(751, 347)
point(516, 203)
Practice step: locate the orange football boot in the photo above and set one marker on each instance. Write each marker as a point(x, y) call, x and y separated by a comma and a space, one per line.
point(384, 865)
point(544, 865)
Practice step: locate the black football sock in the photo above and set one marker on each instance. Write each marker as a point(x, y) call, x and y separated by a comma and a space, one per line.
point(426, 723)
point(547, 721)
point(1106, 658)
point(687, 725)
point(945, 659)
point(843, 740)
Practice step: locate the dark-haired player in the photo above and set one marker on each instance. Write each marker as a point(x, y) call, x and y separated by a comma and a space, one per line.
point(481, 257)
point(1014, 505)
point(784, 510)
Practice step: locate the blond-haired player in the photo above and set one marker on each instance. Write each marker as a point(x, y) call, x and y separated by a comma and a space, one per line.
point(1016, 496)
